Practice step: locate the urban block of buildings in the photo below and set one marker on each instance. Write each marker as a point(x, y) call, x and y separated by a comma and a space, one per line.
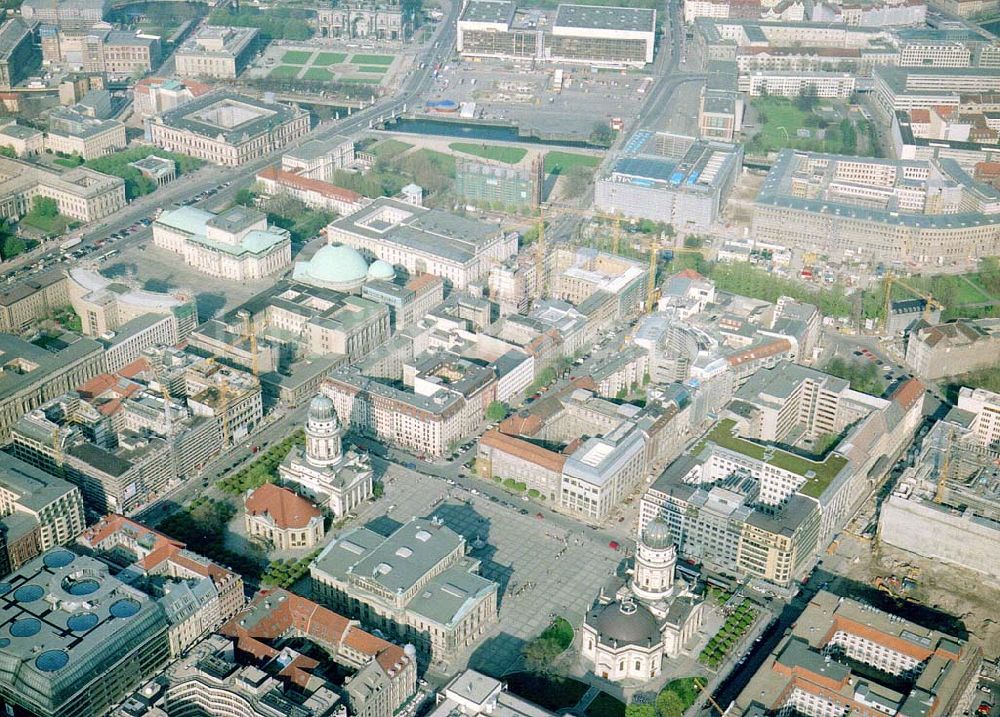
point(216, 52)
point(458, 249)
point(877, 210)
point(337, 478)
point(81, 193)
point(417, 585)
point(829, 665)
point(672, 179)
point(155, 95)
point(936, 351)
point(66, 14)
point(31, 299)
point(100, 49)
point(584, 34)
point(314, 193)
point(752, 499)
point(237, 244)
point(227, 128)
point(19, 55)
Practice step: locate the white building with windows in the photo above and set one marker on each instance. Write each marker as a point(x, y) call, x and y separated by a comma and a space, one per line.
point(237, 244)
point(627, 636)
point(323, 470)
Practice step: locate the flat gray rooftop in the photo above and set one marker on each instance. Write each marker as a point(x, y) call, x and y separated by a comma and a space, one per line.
point(628, 19)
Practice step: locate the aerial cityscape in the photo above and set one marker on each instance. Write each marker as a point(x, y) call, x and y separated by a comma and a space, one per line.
point(500, 358)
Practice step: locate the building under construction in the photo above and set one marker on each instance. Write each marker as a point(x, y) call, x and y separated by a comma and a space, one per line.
point(947, 505)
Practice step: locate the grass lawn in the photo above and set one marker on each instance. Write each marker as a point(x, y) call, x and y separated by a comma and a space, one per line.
point(560, 162)
point(372, 59)
point(507, 155)
point(324, 59)
point(49, 225)
point(358, 80)
point(317, 73)
point(604, 705)
point(780, 121)
point(945, 288)
point(68, 163)
point(374, 69)
point(296, 57)
point(389, 148)
point(553, 693)
point(685, 688)
point(445, 163)
point(285, 71)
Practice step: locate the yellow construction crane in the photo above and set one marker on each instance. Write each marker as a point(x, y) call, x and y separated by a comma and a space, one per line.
point(540, 254)
point(887, 283)
point(251, 336)
point(654, 252)
point(944, 473)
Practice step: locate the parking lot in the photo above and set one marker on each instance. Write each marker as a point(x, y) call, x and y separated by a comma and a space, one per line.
point(529, 98)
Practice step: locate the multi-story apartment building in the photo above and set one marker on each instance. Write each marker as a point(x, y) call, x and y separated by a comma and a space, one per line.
point(144, 551)
point(314, 193)
point(101, 49)
point(443, 402)
point(459, 250)
point(32, 299)
point(319, 158)
point(829, 664)
point(19, 55)
point(73, 656)
point(417, 585)
point(948, 349)
point(125, 344)
point(33, 376)
point(103, 307)
point(71, 132)
point(237, 244)
point(828, 85)
point(67, 14)
point(116, 473)
point(488, 185)
point(227, 128)
point(80, 193)
point(276, 624)
point(217, 52)
point(876, 209)
point(985, 408)
point(230, 396)
point(53, 504)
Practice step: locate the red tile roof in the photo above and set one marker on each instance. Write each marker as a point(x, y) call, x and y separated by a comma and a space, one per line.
point(920, 115)
point(908, 393)
point(544, 458)
point(759, 352)
point(290, 179)
point(689, 274)
point(286, 509)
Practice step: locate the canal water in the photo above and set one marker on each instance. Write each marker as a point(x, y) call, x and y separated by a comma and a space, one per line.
point(478, 131)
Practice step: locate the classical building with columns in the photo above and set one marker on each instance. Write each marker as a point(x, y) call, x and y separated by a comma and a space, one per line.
point(323, 470)
point(634, 625)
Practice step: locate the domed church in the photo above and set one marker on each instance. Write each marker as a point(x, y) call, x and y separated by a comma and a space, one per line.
point(634, 625)
point(341, 268)
point(322, 470)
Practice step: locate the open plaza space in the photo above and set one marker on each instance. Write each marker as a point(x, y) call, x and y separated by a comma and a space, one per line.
point(349, 65)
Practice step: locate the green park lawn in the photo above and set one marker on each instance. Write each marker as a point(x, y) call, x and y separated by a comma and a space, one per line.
point(296, 57)
point(282, 72)
point(372, 59)
point(561, 162)
point(374, 69)
point(358, 80)
point(389, 148)
point(317, 73)
point(507, 155)
point(324, 59)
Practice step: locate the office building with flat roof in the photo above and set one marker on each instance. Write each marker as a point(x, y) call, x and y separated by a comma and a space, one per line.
point(671, 178)
point(33, 375)
point(227, 128)
point(866, 209)
point(33, 298)
point(67, 14)
point(417, 585)
point(582, 34)
point(319, 158)
point(19, 56)
point(52, 503)
point(216, 52)
point(458, 249)
point(77, 639)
